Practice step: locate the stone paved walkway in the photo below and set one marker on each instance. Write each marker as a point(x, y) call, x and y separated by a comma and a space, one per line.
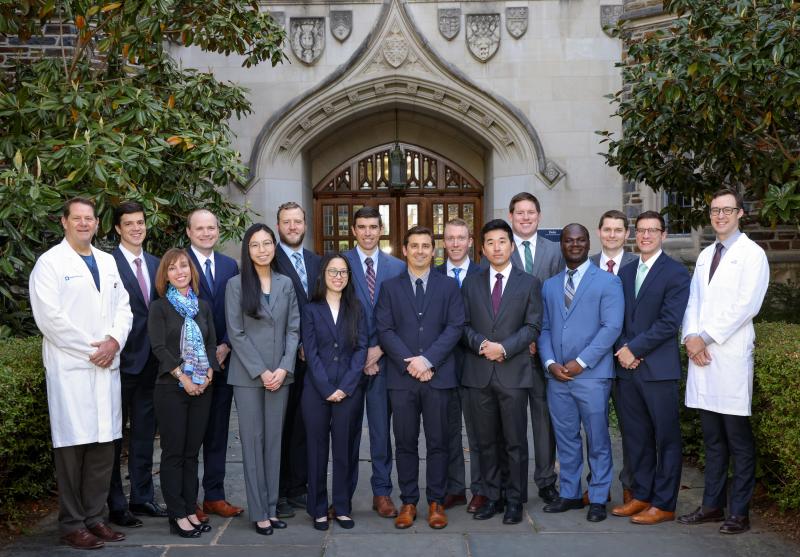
point(540, 534)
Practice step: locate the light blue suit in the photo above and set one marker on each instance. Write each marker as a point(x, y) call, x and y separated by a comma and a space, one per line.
point(587, 332)
point(377, 398)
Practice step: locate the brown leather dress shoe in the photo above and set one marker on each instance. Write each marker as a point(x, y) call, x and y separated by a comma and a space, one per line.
point(476, 503)
point(82, 539)
point(701, 515)
point(436, 517)
point(102, 531)
point(221, 508)
point(632, 507)
point(408, 513)
point(383, 504)
point(653, 515)
point(201, 516)
point(627, 495)
point(451, 501)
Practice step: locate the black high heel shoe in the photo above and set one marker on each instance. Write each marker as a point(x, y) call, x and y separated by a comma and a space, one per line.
point(200, 527)
point(175, 528)
point(264, 531)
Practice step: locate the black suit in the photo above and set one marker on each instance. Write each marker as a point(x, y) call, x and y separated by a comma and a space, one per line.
point(138, 368)
point(499, 391)
point(294, 452)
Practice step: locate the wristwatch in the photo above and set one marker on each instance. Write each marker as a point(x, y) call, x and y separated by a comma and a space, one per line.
point(176, 373)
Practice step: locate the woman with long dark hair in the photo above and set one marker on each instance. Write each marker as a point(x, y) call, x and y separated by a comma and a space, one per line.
point(335, 345)
point(181, 330)
point(264, 330)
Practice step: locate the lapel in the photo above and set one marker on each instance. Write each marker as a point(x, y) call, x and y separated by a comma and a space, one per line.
point(357, 272)
point(538, 255)
point(513, 281)
point(584, 285)
point(383, 271)
point(152, 268)
point(288, 269)
point(516, 259)
point(652, 275)
point(472, 269)
point(412, 295)
point(628, 289)
point(485, 292)
point(205, 291)
point(127, 276)
point(327, 317)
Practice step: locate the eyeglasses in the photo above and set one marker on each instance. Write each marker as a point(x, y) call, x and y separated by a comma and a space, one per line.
point(650, 231)
point(724, 210)
point(265, 244)
point(333, 273)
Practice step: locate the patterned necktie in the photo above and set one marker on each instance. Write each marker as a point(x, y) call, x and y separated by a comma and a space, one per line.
point(715, 260)
point(641, 273)
point(301, 270)
point(457, 273)
point(420, 296)
point(610, 264)
point(528, 257)
point(141, 281)
point(569, 288)
point(497, 293)
point(370, 278)
point(209, 275)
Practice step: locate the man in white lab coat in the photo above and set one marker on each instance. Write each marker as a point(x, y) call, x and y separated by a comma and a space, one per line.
point(728, 287)
point(82, 310)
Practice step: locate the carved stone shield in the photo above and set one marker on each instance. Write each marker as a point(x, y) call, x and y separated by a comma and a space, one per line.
point(395, 49)
point(307, 37)
point(341, 24)
point(449, 22)
point(483, 35)
point(516, 21)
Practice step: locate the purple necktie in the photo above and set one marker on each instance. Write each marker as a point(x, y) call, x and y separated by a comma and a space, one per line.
point(610, 264)
point(497, 293)
point(715, 260)
point(141, 281)
point(370, 278)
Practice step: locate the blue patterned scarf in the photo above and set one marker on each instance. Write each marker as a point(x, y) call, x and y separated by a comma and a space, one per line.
point(193, 351)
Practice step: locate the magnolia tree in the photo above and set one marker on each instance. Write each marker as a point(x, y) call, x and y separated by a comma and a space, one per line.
point(114, 117)
point(714, 100)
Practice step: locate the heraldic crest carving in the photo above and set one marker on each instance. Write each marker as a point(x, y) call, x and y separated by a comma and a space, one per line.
point(483, 35)
point(516, 21)
point(449, 22)
point(307, 37)
point(341, 24)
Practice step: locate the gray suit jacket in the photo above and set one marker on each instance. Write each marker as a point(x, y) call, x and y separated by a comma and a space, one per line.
point(547, 259)
point(266, 343)
point(627, 258)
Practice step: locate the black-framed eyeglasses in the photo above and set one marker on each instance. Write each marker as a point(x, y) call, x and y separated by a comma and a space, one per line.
point(650, 231)
point(333, 273)
point(724, 210)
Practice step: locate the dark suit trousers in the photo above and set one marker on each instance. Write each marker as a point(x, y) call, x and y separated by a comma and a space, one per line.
point(83, 474)
point(215, 442)
point(648, 411)
point(544, 440)
point(497, 407)
point(182, 421)
point(334, 426)
point(294, 467)
point(727, 436)
point(137, 405)
point(408, 406)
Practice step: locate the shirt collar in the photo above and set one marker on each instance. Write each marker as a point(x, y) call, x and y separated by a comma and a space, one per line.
point(464, 266)
point(730, 240)
point(414, 277)
point(363, 256)
point(506, 272)
point(518, 240)
point(649, 262)
point(129, 257)
point(605, 259)
point(202, 258)
point(581, 270)
point(290, 251)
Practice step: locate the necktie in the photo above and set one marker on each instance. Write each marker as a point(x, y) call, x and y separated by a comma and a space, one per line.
point(569, 288)
point(641, 273)
point(610, 264)
point(528, 257)
point(420, 296)
point(370, 278)
point(497, 293)
point(141, 281)
point(209, 275)
point(457, 273)
point(301, 270)
point(715, 261)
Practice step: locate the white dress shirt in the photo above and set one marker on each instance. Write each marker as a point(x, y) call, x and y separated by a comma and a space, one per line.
point(202, 260)
point(604, 259)
point(129, 257)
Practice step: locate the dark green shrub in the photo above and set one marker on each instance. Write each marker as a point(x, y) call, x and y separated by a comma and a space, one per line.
point(26, 453)
point(782, 303)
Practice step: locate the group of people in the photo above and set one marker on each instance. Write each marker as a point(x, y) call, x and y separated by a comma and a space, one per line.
point(306, 344)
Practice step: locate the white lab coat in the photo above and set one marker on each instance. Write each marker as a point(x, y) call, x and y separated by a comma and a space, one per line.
point(725, 308)
point(84, 400)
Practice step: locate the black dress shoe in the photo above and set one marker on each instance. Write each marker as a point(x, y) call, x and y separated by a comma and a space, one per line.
point(150, 509)
point(175, 528)
point(284, 509)
point(597, 512)
point(735, 525)
point(322, 526)
point(202, 527)
point(561, 505)
point(513, 514)
point(548, 493)
point(264, 531)
point(278, 524)
point(298, 502)
point(702, 515)
point(488, 510)
point(124, 518)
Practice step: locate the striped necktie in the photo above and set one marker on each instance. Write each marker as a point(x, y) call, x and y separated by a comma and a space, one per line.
point(301, 270)
point(528, 257)
point(370, 278)
point(569, 288)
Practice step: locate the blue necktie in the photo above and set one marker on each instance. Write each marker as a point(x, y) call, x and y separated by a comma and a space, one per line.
point(569, 288)
point(301, 270)
point(420, 296)
point(209, 276)
point(457, 273)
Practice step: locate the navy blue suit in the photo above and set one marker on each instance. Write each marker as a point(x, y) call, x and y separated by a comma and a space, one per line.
point(432, 331)
point(138, 370)
point(335, 361)
point(648, 395)
point(294, 467)
point(456, 406)
point(215, 442)
point(377, 399)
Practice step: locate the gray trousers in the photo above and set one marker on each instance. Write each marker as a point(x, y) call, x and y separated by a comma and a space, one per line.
point(456, 479)
point(544, 441)
point(261, 417)
point(83, 476)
